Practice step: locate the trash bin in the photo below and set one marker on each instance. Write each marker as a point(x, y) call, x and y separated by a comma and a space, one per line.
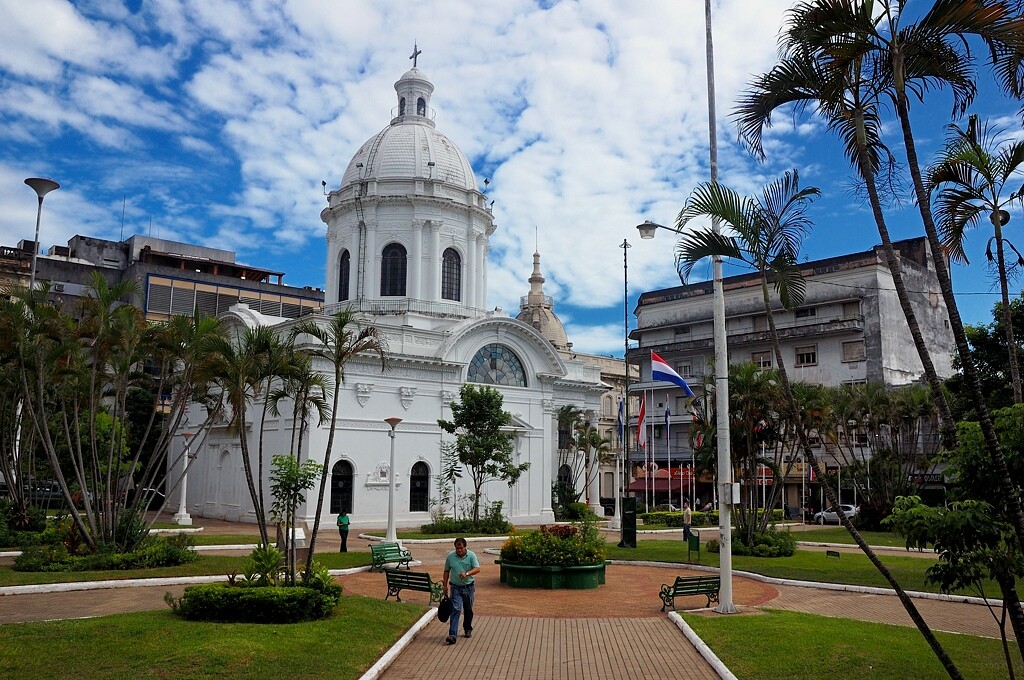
point(693, 545)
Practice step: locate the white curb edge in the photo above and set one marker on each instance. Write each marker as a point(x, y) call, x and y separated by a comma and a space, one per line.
point(701, 647)
point(389, 656)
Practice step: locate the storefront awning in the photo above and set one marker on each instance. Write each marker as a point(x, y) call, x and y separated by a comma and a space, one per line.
point(658, 485)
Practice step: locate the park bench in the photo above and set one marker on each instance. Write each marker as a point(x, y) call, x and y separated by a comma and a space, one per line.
point(690, 585)
point(389, 553)
point(412, 580)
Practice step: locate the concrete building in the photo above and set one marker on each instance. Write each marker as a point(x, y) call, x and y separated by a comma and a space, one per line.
point(172, 278)
point(849, 329)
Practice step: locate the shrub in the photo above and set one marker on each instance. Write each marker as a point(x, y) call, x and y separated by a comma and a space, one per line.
point(556, 545)
point(493, 524)
point(154, 551)
point(770, 543)
point(675, 519)
point(244, 603)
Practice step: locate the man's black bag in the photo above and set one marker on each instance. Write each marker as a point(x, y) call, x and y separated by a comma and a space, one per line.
point(444, 609)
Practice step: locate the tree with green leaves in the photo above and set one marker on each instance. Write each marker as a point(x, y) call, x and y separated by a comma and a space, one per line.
point(970, 184)
point(485, 446)
point(336, 341)
point(989, 353)
point(769, 231)
point(289, 481)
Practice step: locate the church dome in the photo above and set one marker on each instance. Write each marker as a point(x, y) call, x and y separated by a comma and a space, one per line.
point(411, 147)
point(538, 310)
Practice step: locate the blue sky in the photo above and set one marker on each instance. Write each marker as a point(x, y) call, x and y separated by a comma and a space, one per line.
point(214, 122)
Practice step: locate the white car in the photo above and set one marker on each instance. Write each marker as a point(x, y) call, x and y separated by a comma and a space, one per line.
point(830, 516)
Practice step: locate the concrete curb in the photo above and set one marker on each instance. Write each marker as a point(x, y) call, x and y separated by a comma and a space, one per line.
point(701, 647)
point(389, 656)
point(412, 541)
point(134, 583)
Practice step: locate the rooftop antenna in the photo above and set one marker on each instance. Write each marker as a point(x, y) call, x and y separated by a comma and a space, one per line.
point(536, 238)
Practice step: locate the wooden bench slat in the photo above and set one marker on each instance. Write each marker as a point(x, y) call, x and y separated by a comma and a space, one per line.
point(690, 585)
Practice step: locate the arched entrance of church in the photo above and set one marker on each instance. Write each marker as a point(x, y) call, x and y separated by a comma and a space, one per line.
point(419, 487)
point(341, 487)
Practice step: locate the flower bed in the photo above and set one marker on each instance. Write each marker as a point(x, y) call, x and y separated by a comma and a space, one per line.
point(559, 556)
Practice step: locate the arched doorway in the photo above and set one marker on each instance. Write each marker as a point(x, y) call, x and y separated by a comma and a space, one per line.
point(419, 487)
point(341, 487)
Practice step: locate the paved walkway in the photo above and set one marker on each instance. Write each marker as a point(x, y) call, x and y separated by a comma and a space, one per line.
point(613, 632)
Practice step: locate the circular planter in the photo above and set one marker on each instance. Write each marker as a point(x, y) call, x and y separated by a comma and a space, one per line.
point(552, 578)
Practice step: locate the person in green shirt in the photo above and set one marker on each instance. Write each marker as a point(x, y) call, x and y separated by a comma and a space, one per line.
point(460, 567)
point(343, 522)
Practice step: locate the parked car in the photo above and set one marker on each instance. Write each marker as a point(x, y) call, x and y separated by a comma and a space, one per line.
point(830, 516)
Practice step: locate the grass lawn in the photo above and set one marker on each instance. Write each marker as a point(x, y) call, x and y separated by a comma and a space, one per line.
point(206, 565)
point(225, 539)
point(813, 647)
point(161, 645)
point(804, 565)
point(840, 535)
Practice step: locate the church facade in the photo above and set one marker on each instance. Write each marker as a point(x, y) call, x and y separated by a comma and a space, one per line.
point(407, 246)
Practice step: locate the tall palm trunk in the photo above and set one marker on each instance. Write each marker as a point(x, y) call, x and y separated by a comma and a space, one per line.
point(908, 604)
point(325, 472)
point(1011, 344)
point(867, 173)
point(1005, 484)
point(243, 440)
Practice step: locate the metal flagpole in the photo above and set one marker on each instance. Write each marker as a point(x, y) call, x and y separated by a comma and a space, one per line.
point(668, 453)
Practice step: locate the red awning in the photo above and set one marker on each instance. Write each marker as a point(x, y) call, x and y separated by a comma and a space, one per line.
point(658, 485)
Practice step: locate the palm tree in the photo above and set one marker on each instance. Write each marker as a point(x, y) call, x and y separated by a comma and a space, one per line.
point(971, 180)
point(849, 102)
point(240, 372)
point(768, 231)
point(337, 342)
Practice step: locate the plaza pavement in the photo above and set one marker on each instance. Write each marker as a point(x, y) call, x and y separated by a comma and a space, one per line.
point(615, 631)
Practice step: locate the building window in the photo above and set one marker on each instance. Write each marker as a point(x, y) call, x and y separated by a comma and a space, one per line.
point(682, 332)
point(762, 359)
point(806, 313)
point(807, 355)
point(344, 270)
point(341, 487)
point(685, 369)
point(451, 275)
point(853, 350)
point(496, 365)
point(419, 487)
point(401, 106)
point(392, 271)
point(851, 310)
point(421, 107)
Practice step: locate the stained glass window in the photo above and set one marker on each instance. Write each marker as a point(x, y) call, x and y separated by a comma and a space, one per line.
point(496, 365)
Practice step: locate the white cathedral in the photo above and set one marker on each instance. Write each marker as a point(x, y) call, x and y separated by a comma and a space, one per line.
point(407, 246)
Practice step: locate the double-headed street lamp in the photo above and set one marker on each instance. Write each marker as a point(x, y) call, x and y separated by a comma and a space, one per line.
point(42, 186)
point(725, 488)
point(392, 535)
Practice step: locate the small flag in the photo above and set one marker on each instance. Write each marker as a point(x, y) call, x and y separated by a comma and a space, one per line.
point(811, 477)
point(622, 420)
point(761, 424)
point(641, 432)
point(660, 370)
point(699, 441)
point(668, 414)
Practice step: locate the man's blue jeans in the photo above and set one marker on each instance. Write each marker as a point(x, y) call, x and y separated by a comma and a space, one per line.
point(461, 598)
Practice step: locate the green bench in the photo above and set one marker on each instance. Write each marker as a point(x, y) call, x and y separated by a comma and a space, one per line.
point(690, 585)
point(412, 580)
point(389, 553)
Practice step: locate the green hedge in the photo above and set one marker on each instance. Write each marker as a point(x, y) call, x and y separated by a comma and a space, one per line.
point(238, 603)
point(155, 551)
point(770, 543)
point(699, 519)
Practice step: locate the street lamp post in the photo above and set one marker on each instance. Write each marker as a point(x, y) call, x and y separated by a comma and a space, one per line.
point(617, 518)
point(42, 186)
point(392, 535)
point(182, 518)
point(647, 231)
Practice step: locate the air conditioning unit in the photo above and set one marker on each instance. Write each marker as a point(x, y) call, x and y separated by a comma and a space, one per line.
point(58, 287)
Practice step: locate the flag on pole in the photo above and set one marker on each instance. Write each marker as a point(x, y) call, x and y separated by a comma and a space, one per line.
point(811, 474)
point(668, 413)
point(660, 370)
point(641, 432)
point(622, 420)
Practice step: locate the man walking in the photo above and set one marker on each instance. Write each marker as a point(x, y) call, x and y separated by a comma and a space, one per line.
point(460, 567)
point(687, 520)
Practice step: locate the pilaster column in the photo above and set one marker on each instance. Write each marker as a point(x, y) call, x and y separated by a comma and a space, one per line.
point(416, 263)
point(471, 267)
point(434, 262)
point(371, 277)
point(480, 298)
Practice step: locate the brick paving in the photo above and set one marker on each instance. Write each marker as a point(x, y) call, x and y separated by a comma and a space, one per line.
point(616, 631)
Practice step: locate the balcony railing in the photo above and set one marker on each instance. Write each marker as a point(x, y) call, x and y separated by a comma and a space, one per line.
point(400, 306)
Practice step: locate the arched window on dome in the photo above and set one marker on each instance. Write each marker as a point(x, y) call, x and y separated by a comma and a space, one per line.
point(344, 271)
point(392, 271)
point(421, 107)
point(401, 106)
point(496, 365)
point(451, 275)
